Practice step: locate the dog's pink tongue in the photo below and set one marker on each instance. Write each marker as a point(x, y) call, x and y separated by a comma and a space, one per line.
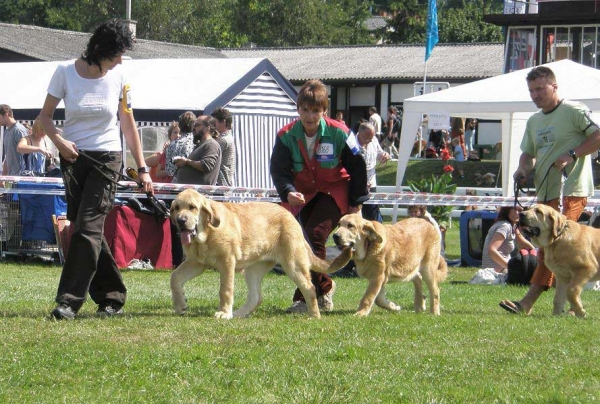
point(186, 237)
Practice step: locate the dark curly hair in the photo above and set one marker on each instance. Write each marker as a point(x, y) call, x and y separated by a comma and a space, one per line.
point(223, 114)
point(109, 40)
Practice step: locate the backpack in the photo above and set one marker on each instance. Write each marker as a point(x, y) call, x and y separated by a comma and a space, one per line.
point(521, 267)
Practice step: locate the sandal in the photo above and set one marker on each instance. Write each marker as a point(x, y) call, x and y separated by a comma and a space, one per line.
point(515, 308)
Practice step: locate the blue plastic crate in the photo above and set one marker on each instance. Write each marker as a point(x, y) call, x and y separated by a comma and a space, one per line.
point(474, 227)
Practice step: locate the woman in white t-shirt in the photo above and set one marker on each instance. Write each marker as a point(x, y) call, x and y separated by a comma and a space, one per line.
point(96, 95)
point(500, 240)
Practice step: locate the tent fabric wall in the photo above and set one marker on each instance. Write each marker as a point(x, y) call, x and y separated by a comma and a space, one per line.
point(504, 98)
point(260, 110)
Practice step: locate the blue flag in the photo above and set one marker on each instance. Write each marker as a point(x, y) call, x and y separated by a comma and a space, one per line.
point(432, 29)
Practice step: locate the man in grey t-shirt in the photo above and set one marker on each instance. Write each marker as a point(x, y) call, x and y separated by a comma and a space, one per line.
point(13, 133)
point(201, 167)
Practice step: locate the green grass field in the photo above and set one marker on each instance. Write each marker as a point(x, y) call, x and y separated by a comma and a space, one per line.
point(473, 353)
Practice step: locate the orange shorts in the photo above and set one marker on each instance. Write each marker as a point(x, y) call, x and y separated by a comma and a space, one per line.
point(572, 208)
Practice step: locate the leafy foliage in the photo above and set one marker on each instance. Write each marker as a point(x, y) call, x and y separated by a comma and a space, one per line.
point(275, 23)
point(437, 185)
point(458, 21)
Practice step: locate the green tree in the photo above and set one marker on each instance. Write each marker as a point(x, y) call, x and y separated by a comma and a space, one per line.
point(194, 22)
point(464, 23)
point(458, 21)
point(303, 22)
point(408, 23)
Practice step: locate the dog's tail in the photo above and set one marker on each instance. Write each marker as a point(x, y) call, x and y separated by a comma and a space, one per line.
point(442, 270)
point(331, 266)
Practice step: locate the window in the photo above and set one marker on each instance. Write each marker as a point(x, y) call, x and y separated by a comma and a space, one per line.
point(576, 43)
point(520, 49)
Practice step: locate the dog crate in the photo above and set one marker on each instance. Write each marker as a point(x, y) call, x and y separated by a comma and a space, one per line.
point(26, 225)
point(474, 227)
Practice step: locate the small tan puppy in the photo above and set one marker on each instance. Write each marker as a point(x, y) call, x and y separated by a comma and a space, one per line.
point(253, 236)
point(406, 251)
point(571, 252)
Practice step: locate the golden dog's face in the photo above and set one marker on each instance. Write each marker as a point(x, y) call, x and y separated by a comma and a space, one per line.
point(354, 231)
point(191, 213)
point(542, 224)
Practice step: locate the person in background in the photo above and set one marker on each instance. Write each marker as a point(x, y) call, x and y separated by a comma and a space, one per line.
point(389, 141)
point(501, 239)
point(96, 95)
point(318, 178)
point(459, 157)
point(470, 129)
point(372, 152)
point(161, 170)
point(457, 131)
point(558, 139)
point(36, 149)
point(183, 146)
point(225, 139)
point(201, 166)
point(339, 116)
point(376, 121)
point(436, 140)
point(14, 132)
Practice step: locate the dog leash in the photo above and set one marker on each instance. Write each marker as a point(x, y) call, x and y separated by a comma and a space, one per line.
point(545, 181)
point(132, 175)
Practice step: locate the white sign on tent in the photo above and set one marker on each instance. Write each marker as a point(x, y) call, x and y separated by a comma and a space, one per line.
point(438, 120)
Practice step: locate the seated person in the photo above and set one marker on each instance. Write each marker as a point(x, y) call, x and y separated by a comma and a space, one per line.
point(157, 161)
point(436, 140)
point(500, 240)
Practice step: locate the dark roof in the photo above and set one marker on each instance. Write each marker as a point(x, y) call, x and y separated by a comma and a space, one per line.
point(460, 62)
point(48, 44)
point(332, 64)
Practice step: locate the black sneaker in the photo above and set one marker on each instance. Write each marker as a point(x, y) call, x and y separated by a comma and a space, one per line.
point(63, 312)
point(109, 311)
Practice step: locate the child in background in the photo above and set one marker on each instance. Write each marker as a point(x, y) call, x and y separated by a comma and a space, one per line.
point(459, 157)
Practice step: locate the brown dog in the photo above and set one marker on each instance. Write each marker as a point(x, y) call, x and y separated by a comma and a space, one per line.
point(406, 251)
point(253, 236)
point(571, 252)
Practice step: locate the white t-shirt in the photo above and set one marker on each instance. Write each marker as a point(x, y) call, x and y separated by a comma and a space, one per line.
point(91, 107)
point(375, 120)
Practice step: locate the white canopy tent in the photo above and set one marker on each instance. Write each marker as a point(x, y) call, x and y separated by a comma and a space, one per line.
point(505, 98)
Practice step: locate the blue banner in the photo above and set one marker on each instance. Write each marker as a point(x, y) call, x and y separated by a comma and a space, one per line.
point(432, 29)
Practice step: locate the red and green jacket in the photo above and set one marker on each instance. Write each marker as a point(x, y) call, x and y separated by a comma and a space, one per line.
point(333, 170)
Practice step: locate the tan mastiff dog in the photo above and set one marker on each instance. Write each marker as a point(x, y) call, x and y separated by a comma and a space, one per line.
point(253, 236)
point(406, 251)
point(571, 252)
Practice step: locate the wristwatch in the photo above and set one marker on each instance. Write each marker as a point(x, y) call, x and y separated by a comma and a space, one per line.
point(572, 154)
point(143, 170)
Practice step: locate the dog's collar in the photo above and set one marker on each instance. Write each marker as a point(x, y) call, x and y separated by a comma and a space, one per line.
point(562, 229)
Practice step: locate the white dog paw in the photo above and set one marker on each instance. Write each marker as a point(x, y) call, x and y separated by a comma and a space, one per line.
point(362, 313)
point(394, 307)
point(223, 315)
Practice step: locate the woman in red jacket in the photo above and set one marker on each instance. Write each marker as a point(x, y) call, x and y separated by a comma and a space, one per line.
point(318, 177)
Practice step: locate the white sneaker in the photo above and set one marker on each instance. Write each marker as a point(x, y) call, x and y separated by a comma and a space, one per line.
point(326, 301)
point(297, 307)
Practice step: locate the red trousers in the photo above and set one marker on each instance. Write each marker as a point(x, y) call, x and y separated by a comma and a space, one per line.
point(318, 218)
point(572, 208)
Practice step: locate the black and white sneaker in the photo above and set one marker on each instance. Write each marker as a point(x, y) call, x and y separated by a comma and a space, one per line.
point(63, 312)
point(110, 310)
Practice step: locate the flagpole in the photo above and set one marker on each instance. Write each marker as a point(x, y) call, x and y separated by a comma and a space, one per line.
point(430, 41)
